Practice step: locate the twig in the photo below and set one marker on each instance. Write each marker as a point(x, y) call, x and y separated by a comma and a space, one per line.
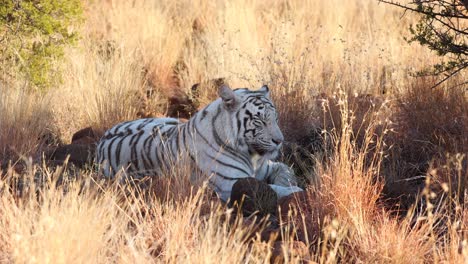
point(449, 76)
point(421, 11)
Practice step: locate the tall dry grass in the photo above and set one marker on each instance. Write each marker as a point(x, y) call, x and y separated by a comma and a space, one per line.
point(87, 221)
point(352, 184)
point(83, 221)
point(100, 90)
point(359, 127)
point(26, 122)
point(306, 47)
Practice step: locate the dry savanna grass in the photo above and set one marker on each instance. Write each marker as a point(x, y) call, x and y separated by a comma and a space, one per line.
point(381, 154)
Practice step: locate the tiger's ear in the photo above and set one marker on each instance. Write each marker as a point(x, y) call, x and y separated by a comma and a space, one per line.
point(230, 99)
point(265, 90)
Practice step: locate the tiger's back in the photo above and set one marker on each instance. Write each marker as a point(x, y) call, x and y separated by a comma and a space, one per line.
point(138, 146)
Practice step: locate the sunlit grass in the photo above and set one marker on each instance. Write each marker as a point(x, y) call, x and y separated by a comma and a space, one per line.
point(362, 131)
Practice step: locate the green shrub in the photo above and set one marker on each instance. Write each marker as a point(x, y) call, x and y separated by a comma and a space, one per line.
point(33, 34)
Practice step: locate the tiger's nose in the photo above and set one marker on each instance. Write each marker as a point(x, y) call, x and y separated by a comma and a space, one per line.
point(277, 141)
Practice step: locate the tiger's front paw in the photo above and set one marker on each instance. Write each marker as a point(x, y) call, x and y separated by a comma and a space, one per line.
point(283, 191)
point(282, 175)
point(294, 189)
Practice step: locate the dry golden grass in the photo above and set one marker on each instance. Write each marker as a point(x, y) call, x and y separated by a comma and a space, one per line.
point(25, 121)
point(339, 72)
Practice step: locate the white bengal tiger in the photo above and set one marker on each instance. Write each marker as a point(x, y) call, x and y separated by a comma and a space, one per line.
point(234, 137)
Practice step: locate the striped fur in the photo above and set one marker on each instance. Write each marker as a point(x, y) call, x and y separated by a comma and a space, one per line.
point(234, 137)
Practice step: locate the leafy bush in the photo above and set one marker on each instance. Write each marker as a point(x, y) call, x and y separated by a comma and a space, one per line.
point(33, 34)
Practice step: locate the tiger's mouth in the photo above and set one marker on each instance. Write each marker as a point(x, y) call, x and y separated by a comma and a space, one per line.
point(269, 151)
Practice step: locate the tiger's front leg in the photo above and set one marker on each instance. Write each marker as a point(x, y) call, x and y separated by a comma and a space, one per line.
point(280, 178)
point(280, 174)
point(283, 191)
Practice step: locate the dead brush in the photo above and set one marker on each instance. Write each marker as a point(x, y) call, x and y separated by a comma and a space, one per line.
point(350, 187)
point(430, 127)
point(352, 182)
point(113, 218)
point(40, 212)
point(24, 122)
point(430, 123)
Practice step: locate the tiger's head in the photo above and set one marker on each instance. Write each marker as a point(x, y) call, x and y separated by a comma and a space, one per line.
point(256, 120)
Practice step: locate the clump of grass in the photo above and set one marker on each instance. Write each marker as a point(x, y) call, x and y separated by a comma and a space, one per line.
point(42, 216)
point(431, 120)
point(25, 119)
point(108, 222)
point(99, 91)
point(429, 129)
point(157, 41)
point(355, 226)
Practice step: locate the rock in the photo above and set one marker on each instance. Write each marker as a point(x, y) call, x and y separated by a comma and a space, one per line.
point(253, 196)
point(85, 136)
point(180, 106)
point(185, 104)
point(80, 154)
point(81, 150)
point(294, 249)
point(11, 168)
